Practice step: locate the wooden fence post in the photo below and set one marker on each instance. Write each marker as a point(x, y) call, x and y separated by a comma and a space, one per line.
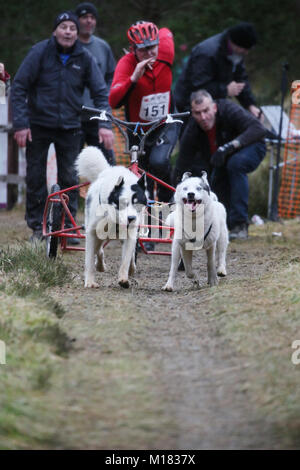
point(9, 160)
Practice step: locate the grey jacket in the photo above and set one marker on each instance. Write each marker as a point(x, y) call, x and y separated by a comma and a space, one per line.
point(103, 55)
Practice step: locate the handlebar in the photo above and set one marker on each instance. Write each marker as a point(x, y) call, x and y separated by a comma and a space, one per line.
point(103, 115)
point(131, 124)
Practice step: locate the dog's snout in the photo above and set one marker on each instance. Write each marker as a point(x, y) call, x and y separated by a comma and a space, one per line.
point(191, 195)
point(131, 218)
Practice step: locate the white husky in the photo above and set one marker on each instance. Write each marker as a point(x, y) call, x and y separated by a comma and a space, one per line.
point(199, 220)
point(112, 211)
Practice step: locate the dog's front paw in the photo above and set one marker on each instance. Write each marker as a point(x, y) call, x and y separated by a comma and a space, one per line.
point(124, 283)
point(92, 284)
point(168, 288)
point(221, 271)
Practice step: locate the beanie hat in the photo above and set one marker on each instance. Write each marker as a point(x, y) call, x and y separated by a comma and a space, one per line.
point(243, 35)
point(86, 7)
point(66, 16)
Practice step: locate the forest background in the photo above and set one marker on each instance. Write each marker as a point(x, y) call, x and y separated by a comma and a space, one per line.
point(23, 23)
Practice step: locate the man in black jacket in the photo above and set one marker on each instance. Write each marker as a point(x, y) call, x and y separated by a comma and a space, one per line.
point(227, 142)
point(46, 104)
point(217, 65)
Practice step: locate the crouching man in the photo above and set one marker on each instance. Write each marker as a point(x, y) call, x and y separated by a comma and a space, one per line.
point(227, 142)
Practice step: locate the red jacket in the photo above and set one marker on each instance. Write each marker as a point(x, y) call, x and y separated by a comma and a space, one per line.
point(150, 97)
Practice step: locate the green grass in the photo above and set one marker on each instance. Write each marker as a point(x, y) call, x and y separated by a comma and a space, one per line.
point(29, 273)
point(35, 343)
point(260, 318)
point(31, 260)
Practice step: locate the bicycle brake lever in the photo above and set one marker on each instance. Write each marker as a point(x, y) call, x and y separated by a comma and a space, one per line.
point(102, 117)
point(170, 120)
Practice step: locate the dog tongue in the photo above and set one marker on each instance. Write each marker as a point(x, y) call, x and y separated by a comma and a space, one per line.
point(191, 205)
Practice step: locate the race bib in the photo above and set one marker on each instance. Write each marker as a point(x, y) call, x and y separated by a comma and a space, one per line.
point(154, 106)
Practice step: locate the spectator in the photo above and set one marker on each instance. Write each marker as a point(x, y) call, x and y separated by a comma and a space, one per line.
point(87, 17)
point(46, 104)
point(4, 83)
point(226, 141)
point(217, 65)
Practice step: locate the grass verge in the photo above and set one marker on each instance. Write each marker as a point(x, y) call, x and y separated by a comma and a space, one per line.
point(260, 318)
point(35, 345)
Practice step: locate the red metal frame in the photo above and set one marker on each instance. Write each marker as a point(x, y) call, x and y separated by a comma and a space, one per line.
point(64, 234)
point(139, 172)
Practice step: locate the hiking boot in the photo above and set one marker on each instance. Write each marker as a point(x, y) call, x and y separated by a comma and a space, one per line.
point(37, 236)
point(149, 246)
point(72, 241)
point(239, 232)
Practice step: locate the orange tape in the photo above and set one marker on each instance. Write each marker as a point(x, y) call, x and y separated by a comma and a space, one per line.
point(289, 193)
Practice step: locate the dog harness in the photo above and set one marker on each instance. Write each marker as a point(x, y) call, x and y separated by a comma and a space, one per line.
point(192, 240)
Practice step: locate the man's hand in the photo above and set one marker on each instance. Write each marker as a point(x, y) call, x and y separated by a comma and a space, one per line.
point(140, 69)
point(22, 136)
point(256, 112)
point(107, 137)
point(235, 88)
point(218, 159)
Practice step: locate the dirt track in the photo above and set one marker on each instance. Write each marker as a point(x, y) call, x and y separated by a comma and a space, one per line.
point(200, 383)
point(199, 378)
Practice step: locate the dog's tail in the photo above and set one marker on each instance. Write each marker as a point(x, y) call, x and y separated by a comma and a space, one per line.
point(90, 162)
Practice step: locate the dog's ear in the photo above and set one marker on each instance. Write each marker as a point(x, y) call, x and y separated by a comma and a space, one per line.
point(142, 182)
point(207, 188)
point(186, 175)
point(119, 183)
point(203, 176)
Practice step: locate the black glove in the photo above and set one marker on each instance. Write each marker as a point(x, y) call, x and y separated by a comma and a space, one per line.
point(218, 159)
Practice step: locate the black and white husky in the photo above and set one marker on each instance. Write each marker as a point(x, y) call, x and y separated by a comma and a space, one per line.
point(199, 221)
point(112, 211)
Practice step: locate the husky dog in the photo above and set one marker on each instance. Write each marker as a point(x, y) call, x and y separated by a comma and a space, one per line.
point(199, 220)
point(112, 211)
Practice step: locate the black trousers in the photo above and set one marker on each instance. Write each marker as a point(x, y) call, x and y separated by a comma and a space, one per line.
point(89, 136)
point(67, 147)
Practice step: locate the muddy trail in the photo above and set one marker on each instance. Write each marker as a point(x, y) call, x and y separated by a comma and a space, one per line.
point(198, 377)
point(150, 369)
